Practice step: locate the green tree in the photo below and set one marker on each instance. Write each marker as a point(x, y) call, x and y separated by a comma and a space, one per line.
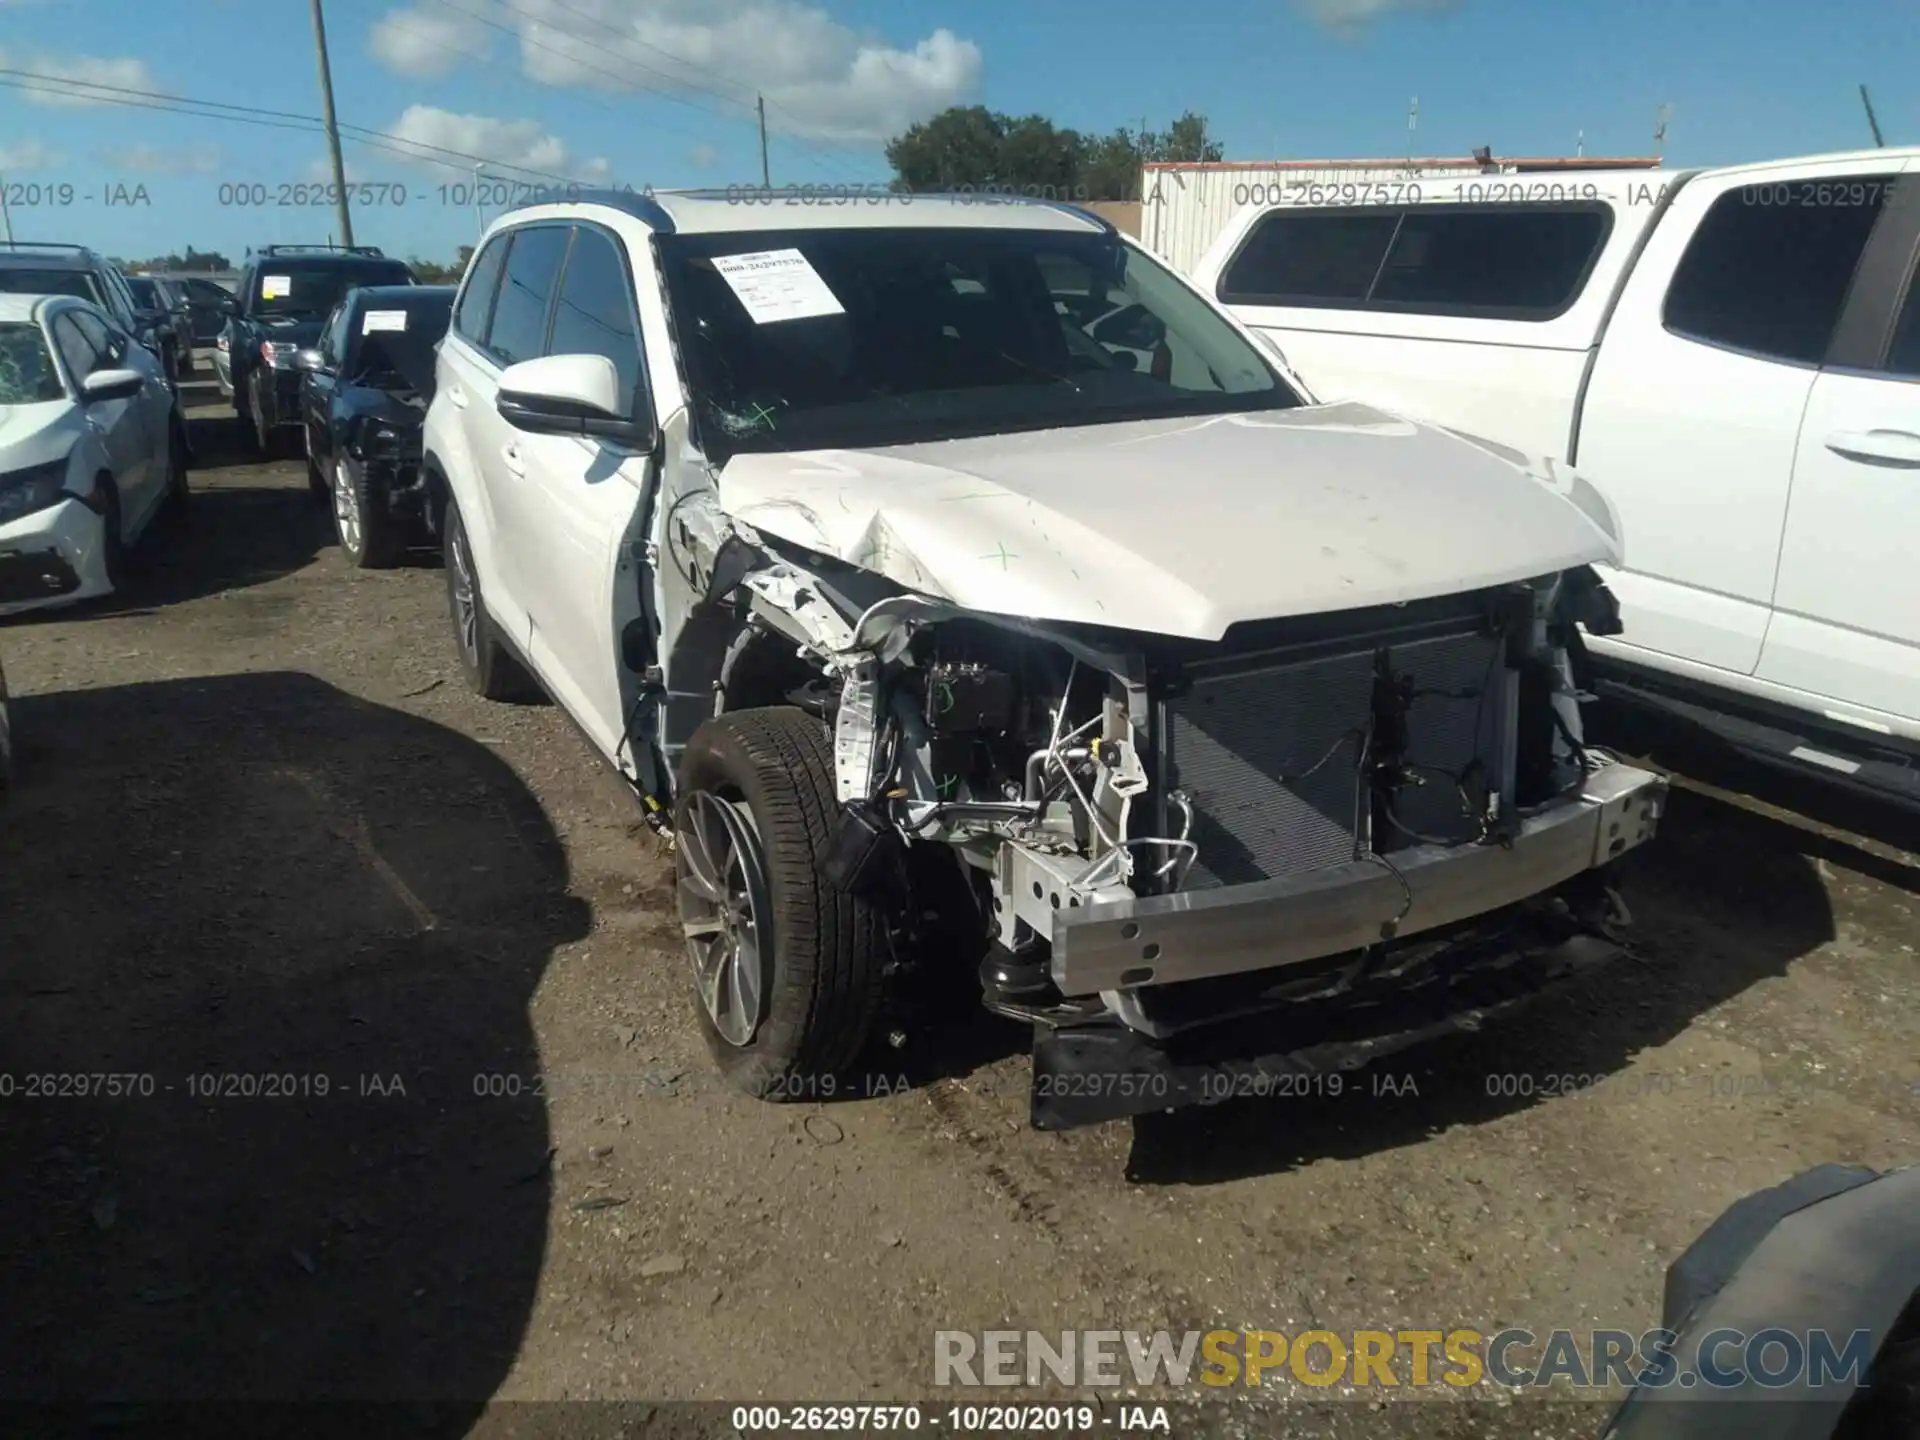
point(970, 146)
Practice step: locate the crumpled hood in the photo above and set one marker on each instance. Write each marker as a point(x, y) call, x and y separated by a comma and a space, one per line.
point(37, 434)
point(1178, 527)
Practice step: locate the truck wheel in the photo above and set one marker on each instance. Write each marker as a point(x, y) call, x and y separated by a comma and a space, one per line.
point(492, 673)
point(368, 537)
point(786, 967)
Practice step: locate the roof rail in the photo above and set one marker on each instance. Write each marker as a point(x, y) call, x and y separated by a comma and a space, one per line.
point(372, 250)
point(47, 245)
point(639, 204)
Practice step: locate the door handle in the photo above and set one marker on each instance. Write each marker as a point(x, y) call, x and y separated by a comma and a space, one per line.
point(510, 455)
point(456, 397)
point(1889, 447)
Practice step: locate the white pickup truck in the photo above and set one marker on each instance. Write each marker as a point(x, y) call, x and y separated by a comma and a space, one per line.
point(1732, 356)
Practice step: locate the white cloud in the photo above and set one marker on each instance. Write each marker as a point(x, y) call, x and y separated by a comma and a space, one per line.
point(511, 147)
point(122, 72)
point(426, 44)
point(822, 79)
point(319, 170)
point(154, 160)
point(704, 157)
point(31, 155)
point(1354, 17)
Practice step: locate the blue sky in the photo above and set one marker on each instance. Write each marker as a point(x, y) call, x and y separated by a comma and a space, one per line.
point(661, 92)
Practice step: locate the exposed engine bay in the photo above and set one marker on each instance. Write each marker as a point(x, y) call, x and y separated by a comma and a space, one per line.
point(1148, 841)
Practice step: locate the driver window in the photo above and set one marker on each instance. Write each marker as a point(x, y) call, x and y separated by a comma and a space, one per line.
point(75, 352)
point(333, 341)
point(109, 347)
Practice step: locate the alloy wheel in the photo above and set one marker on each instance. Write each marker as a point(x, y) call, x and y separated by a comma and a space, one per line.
point(466, 608)
point(723, 909)
point(346, 511)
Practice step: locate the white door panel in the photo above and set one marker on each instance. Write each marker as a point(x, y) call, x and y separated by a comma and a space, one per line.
point(585, 495)
point(470, 387)
point(1520, 396)
point(1847, 621)
point(1676, 619)
point(1694, 447)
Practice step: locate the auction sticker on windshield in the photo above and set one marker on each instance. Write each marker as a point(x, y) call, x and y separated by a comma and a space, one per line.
point(384, 320)
point(272, 287)
point(778, 285)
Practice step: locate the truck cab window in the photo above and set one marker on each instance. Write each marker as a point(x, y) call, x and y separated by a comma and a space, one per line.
point(1769, 274)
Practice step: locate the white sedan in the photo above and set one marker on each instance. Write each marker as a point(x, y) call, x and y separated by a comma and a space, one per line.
point(92, 448)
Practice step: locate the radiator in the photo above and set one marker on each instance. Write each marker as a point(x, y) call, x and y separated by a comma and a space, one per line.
point(1240, 745)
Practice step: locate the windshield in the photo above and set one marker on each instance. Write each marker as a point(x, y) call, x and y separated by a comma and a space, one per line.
point(23, 281)
point(28, 375)
point(394, 349)
point(923, 334)
point(306, 289)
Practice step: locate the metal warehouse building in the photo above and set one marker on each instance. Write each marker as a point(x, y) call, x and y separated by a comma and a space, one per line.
point(1184, 207)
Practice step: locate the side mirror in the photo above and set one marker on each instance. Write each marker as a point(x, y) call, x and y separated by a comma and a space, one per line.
point(228, 306)
point(105, 385)
point(569, 395)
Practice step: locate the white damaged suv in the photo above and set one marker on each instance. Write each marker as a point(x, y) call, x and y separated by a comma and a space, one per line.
point(961, 589)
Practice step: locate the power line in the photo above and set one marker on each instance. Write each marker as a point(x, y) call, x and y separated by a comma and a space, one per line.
point(625, 81)
point(285, 119)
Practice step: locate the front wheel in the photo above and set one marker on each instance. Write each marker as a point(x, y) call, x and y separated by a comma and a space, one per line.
point(368, 537)
point(787, 968)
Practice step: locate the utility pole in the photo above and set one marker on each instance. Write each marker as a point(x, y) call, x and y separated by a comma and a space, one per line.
point(333, 129)
point(1873, 124)
point(6, 214)
point(1413, 119)
point(760, 104)
point(1660, 131)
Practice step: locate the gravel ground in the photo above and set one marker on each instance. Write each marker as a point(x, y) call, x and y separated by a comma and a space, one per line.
point(264, 831)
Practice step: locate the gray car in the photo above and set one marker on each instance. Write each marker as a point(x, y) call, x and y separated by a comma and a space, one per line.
point(43, 268)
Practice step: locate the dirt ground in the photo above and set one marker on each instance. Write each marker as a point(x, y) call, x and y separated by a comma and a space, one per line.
point(263, 830)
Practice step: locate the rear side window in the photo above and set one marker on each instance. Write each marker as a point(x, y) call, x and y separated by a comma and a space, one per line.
point(519, 329)
point(1521, 262)
point(595, 315)
point(1292, 259)
point(483, 281)
point(1904, 357)
point(19, 280)
point(1769, 274)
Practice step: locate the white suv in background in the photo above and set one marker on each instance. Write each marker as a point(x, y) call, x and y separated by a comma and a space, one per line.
point(976, 595)
point(92, 448)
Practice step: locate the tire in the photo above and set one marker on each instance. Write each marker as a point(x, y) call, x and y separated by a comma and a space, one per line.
point(113, 545)
point(491, 670)
point(820, 951)
point(266, 439)
point(317, 483)
point(368, 536)
point(179, 489)
point(6, 740)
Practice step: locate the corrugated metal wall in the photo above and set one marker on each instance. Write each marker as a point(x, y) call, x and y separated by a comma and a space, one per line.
point(1185, 207)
